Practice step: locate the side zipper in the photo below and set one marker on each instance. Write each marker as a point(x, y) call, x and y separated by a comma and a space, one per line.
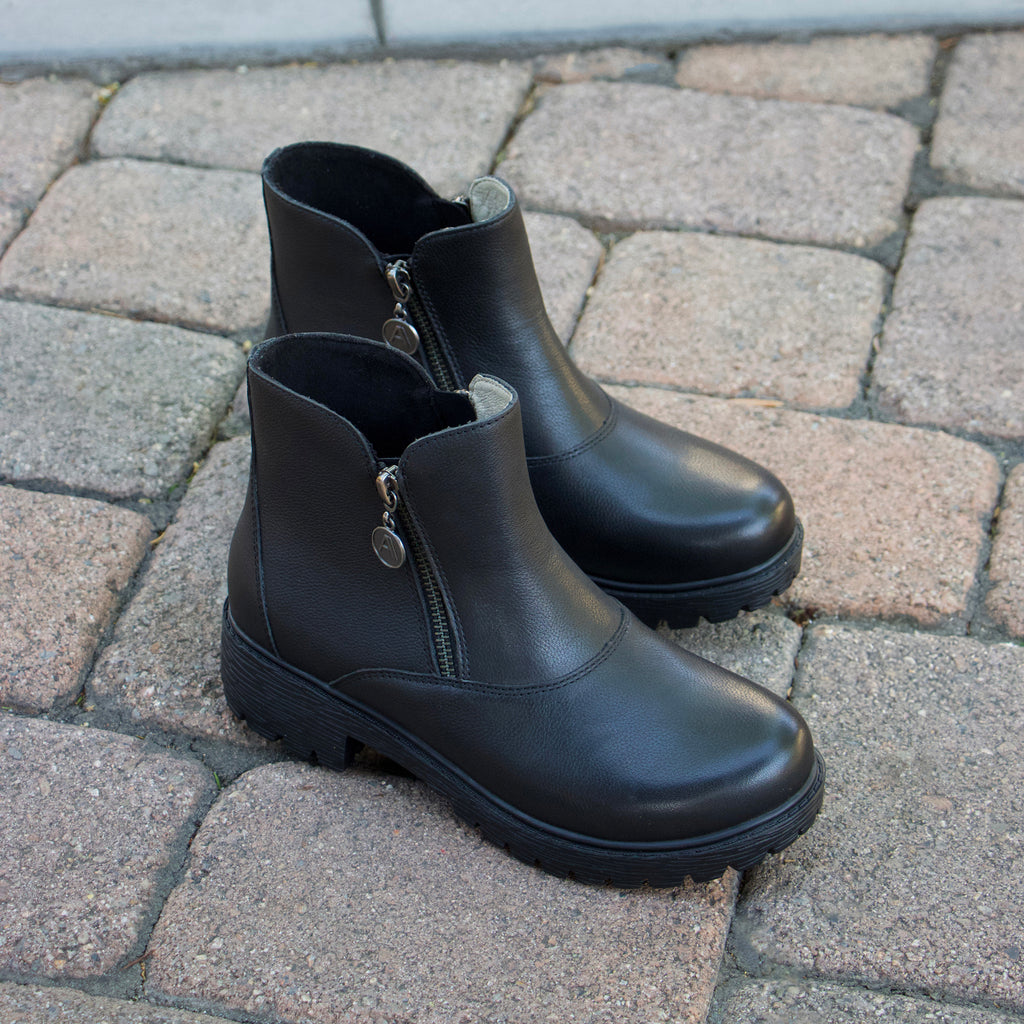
point(410, 328)
point(390, 549)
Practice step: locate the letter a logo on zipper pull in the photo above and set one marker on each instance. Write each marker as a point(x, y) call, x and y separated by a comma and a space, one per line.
point(388, 547)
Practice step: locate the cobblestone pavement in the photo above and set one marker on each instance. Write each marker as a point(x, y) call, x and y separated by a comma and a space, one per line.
point(813, 253)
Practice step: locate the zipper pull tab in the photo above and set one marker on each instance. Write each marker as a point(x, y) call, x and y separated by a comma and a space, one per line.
point(398, 331)
point(387, 545)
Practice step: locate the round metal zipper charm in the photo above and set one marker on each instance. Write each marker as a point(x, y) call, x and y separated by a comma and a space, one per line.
point(402, 335)
point(388, 547)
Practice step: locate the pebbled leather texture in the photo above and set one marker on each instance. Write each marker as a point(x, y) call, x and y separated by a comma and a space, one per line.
point(562, 704)
point(635, 502)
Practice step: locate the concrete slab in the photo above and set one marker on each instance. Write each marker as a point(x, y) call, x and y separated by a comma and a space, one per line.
point(463, 21)
point(912, 875)
point(63, 562)
point(105, 404)
point(979, 136)
point(733, 316)
point(895, 518)
point(92, 825)
point(805, 1001)
point(33, 1004)
point(642, 156)
point(1005, 602)
point(41, 29)
point(149, 240)
point(447, 120)
point(43, 125)
point(875, 70)
point(162, 665)
point(321, 896)
point(951, 347)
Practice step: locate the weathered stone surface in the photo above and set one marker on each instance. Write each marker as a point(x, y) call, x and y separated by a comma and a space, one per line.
point(913, 876)
point(566, 256)
point(91, 823)
point(62, 563)
point(733, 316)
point(894, 517)
point(1005, 601)
point(952, 347)
point(106, 404)
point(149, 240)
point(870, 71)
point(760, 645)
point(385, 907)
point(32, 1004)
point(613, 62)
point(800, 1001)
point(979, 135)
point(446, 119)
point(163, 662)
point(43, 125)
point(641, 156)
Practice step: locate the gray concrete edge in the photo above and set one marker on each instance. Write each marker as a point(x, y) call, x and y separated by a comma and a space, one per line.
point(116, 64)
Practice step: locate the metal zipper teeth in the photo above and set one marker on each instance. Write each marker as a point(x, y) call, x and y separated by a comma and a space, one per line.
point(429, 340)
point(439, 625)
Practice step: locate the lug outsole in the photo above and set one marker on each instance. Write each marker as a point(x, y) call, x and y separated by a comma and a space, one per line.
point(318, 724)
point(714, 600)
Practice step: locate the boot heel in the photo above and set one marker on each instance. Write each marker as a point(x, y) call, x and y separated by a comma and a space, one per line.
point(280, 704)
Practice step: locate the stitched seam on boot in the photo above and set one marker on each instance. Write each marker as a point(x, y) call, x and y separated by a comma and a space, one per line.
point(585, 445)
point(507, 689)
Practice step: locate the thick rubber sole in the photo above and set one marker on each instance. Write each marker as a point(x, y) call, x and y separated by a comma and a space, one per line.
point(716, 600)
point(319, 724)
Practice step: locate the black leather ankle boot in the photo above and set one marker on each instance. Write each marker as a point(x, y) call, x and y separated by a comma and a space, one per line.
point(672, 525)
point(391, 582)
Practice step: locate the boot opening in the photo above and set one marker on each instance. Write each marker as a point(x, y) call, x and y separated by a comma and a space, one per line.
point(381, 198)
point(389, 400)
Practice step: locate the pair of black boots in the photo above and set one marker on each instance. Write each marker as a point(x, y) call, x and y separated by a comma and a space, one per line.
point(407, 574)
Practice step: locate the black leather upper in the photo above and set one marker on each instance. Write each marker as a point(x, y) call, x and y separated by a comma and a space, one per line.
point(562, 703)
point(633, 501)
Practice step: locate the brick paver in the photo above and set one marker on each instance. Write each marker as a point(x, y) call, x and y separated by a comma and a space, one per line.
point(1005, 601)
point(613, 63)
point(912, 876)
point(104, 404)
point(979, 135)
point(43, 124)
point(871, 71)
point(799, 1001)
point(149, 240)
point(895, 518)
point(33, 1004)
point(63, 562)
point(385, 907)
point(92, 822)
point(733, 316)
point(566, 256)
point(162, 665)
point(760, 645)
point(447, 120)
point(642, 156)
point(951, 349)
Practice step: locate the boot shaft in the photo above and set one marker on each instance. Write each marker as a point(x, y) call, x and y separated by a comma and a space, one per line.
point(360, 463)
point(342, 217)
